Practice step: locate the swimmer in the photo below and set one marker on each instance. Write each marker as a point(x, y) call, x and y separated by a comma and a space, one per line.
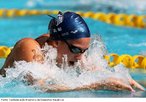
point(70, 35)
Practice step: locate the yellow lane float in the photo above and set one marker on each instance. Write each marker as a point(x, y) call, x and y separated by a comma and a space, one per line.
point(130, 20)
point(120, 19)
point(4, 51)
point(137, 61)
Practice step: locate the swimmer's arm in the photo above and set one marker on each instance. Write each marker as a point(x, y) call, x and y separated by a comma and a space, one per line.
point(108, 84)
point(95, 86)
point(116, 85)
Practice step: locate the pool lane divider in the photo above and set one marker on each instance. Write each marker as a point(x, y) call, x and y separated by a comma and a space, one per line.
point(4, 51)
point(129, 20)
point(136, 61)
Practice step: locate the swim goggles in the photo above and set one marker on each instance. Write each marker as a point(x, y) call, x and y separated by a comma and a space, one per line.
point(75, 49)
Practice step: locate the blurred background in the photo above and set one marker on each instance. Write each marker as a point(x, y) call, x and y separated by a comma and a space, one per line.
point(117, 6)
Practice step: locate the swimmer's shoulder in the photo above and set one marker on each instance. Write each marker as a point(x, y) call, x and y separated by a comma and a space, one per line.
point(42, 39)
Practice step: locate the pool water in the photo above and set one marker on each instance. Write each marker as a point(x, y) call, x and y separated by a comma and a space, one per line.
point(117, 39)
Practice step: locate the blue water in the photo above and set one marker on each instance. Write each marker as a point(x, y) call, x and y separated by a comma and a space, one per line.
point(120, 40)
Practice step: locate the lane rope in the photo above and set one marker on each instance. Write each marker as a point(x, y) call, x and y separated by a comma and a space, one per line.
point(131, 20)
point(136, 61)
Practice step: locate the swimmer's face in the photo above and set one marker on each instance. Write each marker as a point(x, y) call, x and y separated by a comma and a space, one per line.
point(64, 49)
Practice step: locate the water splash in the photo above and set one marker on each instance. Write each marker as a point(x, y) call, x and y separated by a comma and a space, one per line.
point(93, 68)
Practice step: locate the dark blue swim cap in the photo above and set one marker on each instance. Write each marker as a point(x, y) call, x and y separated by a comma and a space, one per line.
point(68, 26)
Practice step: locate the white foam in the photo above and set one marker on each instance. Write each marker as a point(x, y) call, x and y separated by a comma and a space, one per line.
point(71, 76)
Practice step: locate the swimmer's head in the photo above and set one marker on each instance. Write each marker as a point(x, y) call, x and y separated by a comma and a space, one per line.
point(68, 26)
point(71, 34)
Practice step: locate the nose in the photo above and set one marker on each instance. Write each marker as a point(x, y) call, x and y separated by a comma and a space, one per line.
point(78, 56)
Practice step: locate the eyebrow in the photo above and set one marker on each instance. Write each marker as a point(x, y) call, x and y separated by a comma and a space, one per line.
point(78, 46)
point(70, 43)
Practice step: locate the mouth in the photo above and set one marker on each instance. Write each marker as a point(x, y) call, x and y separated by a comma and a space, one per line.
point(71, 62)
